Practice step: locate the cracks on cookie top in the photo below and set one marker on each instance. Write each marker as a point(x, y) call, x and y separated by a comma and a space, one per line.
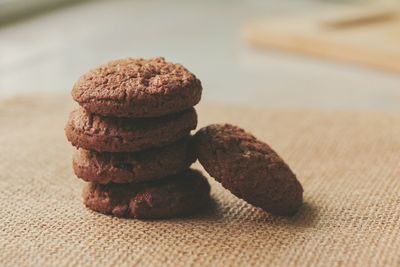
point(135, 77)
point(235, 139)
point(231, 143)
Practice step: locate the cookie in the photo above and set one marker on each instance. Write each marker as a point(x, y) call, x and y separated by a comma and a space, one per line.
point(106, 134)
point(137, 88)
point(249, 168)
point(174, 196)
point(135, 167)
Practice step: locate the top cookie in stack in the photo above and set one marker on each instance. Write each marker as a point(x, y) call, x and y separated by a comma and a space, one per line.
point(138, 88)
point(134, 127)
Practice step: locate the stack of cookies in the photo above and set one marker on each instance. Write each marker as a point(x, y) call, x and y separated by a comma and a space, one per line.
point(132, 132)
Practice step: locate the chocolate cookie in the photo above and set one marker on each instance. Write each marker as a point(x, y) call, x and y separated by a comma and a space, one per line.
point(249, 168)
point(133, 167)
point(174, 196)
point(106, 134)
point(137, 88)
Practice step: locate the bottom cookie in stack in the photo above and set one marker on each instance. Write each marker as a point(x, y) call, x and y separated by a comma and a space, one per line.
point(174, 196)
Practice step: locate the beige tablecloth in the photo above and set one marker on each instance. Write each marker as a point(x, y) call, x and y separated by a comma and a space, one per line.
point(348, 163)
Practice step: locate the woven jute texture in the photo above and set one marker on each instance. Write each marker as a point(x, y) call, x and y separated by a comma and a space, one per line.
point(348, 163)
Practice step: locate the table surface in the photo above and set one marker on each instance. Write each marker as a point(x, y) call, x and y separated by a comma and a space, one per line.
point(47, 53)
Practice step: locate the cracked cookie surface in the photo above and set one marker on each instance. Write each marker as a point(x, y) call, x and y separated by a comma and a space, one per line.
point(137, 88)
point(152, 164)
point(174, 196)
point(106, 134)
point(249, 168)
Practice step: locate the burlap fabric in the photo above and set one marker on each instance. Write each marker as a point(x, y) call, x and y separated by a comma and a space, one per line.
point(348, 163)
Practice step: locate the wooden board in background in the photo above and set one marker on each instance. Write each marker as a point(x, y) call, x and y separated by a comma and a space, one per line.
point(367, 36)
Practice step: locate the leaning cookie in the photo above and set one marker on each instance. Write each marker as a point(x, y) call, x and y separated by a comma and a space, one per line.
point(137, 88)
point(106, 134)
point(249, 168)
point(175, 196)
point(135, 167)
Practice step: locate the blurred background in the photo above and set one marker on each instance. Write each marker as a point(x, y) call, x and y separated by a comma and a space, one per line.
point(315, 54)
